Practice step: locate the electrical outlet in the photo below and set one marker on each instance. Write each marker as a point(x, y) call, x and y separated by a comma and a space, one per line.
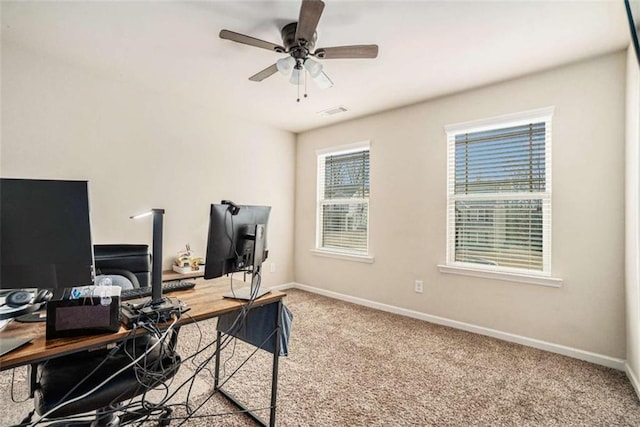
point(272, 267)
point(418, 286)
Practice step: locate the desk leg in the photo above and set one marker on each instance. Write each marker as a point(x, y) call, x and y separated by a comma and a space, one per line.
point(274, 375)
point(274, 368)
point(216, 379)
point(33, 379)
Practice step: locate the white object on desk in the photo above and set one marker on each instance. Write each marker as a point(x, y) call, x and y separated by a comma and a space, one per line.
point(188, 269)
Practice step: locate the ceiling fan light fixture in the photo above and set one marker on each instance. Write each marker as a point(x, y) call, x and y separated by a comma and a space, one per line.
point(285, 65)
point(296, 76)
point(323, 81)
point(313, 67)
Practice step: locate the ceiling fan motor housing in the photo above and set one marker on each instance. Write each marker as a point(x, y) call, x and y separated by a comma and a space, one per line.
point(299, 49)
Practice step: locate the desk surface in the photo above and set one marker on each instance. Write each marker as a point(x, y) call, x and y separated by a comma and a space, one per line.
point(168, 275)
point(205, 301)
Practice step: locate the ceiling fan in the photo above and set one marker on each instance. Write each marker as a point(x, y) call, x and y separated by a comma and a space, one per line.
point(298, 41)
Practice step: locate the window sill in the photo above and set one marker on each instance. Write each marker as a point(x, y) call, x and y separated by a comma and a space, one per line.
point(344, 256)
point(499, 275)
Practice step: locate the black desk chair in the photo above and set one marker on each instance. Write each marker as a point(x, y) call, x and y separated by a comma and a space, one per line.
point(64, 378)
point(130, 261)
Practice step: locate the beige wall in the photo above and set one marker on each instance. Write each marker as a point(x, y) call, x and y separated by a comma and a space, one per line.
point(408, 215)
point(633, 218)
point(141, 149)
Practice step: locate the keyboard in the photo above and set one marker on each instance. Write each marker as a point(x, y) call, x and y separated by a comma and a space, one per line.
point(167, 287)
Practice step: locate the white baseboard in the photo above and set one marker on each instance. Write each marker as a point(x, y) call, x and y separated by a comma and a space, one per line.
point(588, 356)
point(284, 286)
point(633, 378)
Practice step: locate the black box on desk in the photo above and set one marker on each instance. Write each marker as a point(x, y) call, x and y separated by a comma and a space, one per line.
point(83, 316)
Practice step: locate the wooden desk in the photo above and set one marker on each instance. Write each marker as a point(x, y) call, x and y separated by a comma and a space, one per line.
point(169, 275)
point(205, 301)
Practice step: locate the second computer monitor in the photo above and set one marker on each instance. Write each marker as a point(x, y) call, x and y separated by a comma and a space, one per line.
point(45, 234)
point(231, 238)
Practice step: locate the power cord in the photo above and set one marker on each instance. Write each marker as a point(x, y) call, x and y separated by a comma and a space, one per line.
point(150, 376)
point(107, 380)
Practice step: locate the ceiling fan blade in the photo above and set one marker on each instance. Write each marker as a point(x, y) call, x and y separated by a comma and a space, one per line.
point(355, 51)
point(251, 41)
point(310, 13)
point(260, 76)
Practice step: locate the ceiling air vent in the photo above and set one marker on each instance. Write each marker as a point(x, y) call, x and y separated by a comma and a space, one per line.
point(333, 111)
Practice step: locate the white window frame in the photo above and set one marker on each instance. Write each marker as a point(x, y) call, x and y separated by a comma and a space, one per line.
point(542, 277)
point(333, 252)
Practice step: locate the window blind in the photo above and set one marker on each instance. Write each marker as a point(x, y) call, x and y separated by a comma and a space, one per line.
point(501, 160)
point(343, 201)
point(499, 202)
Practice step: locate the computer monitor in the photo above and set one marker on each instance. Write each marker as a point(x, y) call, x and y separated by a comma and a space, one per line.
point(237, 243)
point(45, 234)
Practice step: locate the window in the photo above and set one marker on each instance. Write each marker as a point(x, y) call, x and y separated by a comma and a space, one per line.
point(499, 194)
point(343, 200)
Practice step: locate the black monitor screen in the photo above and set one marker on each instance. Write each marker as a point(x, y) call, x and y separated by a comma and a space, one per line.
point(230, 240)
point(45, 234)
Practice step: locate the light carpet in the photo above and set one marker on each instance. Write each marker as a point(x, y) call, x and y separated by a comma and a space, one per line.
point(354, 366)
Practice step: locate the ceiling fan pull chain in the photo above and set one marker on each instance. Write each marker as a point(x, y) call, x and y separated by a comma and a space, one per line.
point(305, 82)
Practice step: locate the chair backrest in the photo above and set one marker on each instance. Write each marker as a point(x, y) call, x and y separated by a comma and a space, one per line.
point(134, 258)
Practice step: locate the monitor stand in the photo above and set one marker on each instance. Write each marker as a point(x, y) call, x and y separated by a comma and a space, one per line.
point(245, 293)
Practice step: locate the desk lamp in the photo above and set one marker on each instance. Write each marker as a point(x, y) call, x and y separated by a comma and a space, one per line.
point(159, 304)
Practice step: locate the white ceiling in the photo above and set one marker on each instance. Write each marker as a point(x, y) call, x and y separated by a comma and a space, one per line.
point(427, 48)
